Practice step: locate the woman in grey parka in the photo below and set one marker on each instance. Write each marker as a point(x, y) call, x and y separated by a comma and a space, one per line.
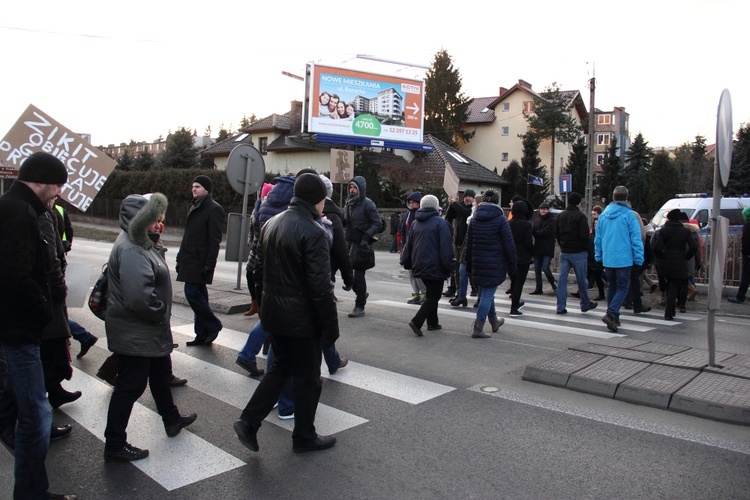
point(138, 324)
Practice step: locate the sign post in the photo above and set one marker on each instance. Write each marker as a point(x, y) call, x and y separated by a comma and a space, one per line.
point(566, 183)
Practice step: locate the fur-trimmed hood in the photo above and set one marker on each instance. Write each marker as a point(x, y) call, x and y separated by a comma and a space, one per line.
point(138, 212)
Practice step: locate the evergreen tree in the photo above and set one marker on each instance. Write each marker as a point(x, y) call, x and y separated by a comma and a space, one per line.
point(611, 173)
point(663, 181)
point(635, 174)
point(446, 107)
point(512, 174)
point(223, 134)
point(180, 151)
point(247, 120)
point(125, 162)
point(739, 176)
point(577, 166)
point(694, 169)
point(531, 164)
point(552, 119)
point(144, 161)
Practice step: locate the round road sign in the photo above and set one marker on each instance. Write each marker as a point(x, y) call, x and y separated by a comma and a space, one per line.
point(724, 136)
point(246, 166)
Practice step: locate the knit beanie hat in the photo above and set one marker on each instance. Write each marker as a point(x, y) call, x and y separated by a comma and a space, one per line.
point(43, 168)
point(491, 196)
point(746, 213)
point(429, 201)
point(574, 198)
point(267, 187)
point(328, 184)
point(470, 192)
point(310, 188)
point(307, 170)
point(204, 181)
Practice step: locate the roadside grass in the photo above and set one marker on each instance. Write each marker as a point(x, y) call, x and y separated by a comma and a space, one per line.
point(97, 234)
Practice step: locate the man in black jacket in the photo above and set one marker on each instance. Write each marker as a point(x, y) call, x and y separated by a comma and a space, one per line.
point(293, 255)
point(544, 247)
point(572, 234)
point(196, 259)
point(25, 309)
point(456, 216)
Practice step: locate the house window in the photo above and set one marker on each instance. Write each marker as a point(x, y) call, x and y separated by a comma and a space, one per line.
point(506, 106)
point(528, 106)
point(602, 139)
point(505, 157)
point(604, 119)
point(506, 130)
point(600, 159)
point(263, 145)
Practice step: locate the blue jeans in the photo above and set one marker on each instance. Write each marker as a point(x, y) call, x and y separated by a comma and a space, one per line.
point(286, 399)
point(206, 322)
point(253, 344)
point(21, 372)
point(541, 264)
point(618, 282)
point(486, 303)
point(78, 332)
point(577, 262)
point(463, 280)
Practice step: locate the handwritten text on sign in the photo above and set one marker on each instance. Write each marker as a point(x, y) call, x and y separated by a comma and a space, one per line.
point(88, 167)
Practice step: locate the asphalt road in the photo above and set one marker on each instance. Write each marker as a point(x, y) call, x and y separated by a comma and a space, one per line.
point(442, 416)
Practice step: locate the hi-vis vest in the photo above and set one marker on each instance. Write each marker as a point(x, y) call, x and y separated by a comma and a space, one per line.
point(64, 235)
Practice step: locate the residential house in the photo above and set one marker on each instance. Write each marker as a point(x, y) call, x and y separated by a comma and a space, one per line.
point(499, 121)
point(609, 125)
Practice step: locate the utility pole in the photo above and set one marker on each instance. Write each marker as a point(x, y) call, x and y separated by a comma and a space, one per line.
point(592, 159)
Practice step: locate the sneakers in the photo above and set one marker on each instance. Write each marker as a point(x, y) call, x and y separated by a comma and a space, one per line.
point(173, 430)
point(247, 436)
point(286, 417)
point(357, 312)
point(736, 300)
point(250, 366)
point(611, 322)
point(422, 299)
point(86, 345)
point(516, 313)
point(415, 297)
point(590, 306)
point(127, 453)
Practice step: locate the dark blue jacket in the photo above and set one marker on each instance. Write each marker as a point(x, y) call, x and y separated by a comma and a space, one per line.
point(278, 198)
point(490, 250)
point(428, 251)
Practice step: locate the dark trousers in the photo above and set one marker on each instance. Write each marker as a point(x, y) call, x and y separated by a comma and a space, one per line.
point(298, 359)
point(429, 309)
point(744, 278)
point(206, 322)
point(634, 292)
point(134, 372)
point(596, 278)
point(516, 285)
point(360, 288)
point(677, 292)
point(56, 364)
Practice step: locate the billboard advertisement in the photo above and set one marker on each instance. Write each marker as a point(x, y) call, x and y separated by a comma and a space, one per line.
point(353, 104)
point(88, 167)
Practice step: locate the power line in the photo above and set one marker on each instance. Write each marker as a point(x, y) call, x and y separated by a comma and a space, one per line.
point(83, 35)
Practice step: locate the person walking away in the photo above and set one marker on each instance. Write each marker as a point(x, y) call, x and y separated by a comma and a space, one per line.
point(293, 255)
point(595, 268)
point(694, 264)
point(572, 234)
point(745, 249)
point(26, 309)
point(428, 255)
point(544, 248)
point(362, 224)
point(196, 259)
point(456, 215)
point(490, 255)
point(618, 245)
point(418, 294)
point(673, 247)
point(252, 236)
point(137, 324)
point(521, 228)
point(395, 224)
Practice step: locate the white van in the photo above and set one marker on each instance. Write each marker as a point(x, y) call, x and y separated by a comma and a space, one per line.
point(698, 206)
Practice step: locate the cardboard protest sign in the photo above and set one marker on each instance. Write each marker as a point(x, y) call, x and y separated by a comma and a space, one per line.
point(450, 181)
point(88, 167)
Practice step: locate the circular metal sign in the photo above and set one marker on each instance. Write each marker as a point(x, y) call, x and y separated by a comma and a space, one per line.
point(246, 166)
point(724, 136)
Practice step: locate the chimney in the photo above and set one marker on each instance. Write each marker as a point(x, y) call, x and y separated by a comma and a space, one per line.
point(295, 126)
point(503, 90)
point(524, 84)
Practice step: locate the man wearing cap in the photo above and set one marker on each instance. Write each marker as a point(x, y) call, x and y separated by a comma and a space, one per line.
point(196, 259)
point(293, 255)
point(25, 309)
point(572, 234)
point(619, 247)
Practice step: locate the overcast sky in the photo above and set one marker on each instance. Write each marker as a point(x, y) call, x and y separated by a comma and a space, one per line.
point(138, 69)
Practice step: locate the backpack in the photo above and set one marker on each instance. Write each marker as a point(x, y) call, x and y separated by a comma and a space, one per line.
point(99, 294)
